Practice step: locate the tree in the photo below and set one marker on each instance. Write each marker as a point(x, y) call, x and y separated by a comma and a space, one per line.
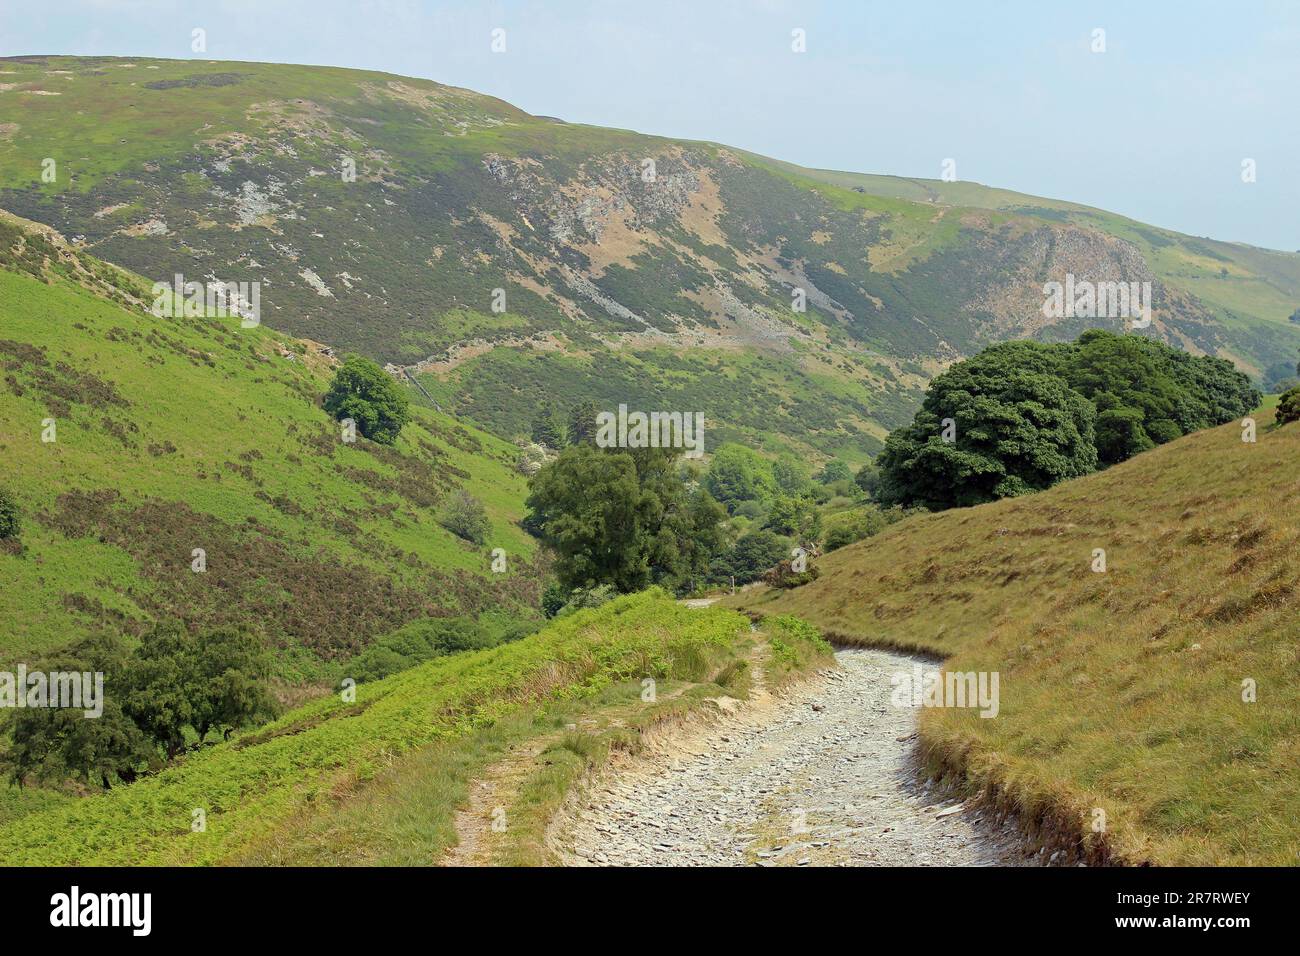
point(10, 524)
point(1288, 406)
point(364, 392)
point(833, 471)
point(582, 423)
point(623, 518)
point(738, 474)
point(1015, 426)
point(166, 686)
point(177, 680)
point(791, 475)
point(548, 427)
point(590, 509)
point(53, 744)
point(465, 517)
point(753, 553)
point(234, 667)
point(868, 479)
point(798, 518)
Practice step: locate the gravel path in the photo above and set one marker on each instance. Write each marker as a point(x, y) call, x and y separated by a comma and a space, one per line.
point(822, 776)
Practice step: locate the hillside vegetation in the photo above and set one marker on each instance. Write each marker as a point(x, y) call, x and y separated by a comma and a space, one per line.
point(796, 308)
point(265, 795)
point(176, 434)
point(1122, 690)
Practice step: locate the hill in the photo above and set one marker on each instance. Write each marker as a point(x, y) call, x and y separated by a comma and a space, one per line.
point(314, 785)
point(168, 435)
point(631, 268)
point(1160, 691)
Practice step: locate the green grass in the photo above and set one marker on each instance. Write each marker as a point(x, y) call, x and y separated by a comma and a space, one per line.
point(176, 434)
point(1120, 691)
point(262, 782)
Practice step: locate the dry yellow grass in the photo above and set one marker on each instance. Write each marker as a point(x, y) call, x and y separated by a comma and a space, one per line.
point(1121, 691)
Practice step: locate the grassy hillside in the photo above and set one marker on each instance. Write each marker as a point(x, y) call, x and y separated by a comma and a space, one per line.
point(1123, 690)
point(185, 433)
point(289, 791)
point(236, 170)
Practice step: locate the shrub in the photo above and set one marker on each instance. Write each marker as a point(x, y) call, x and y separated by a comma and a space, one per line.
point(1288, 406)
point(785, 576)
point(10, 524)
point(465, 517)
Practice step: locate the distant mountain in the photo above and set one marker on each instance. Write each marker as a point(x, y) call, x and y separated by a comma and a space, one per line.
point(657, 272)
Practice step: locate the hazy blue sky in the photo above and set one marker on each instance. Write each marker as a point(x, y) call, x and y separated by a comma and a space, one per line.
point(1156, 127)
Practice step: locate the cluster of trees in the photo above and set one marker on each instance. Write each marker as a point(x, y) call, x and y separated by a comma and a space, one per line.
point(175, 688)
point(365, 393)
point(554, 429)
point(1022, 416)
point(619, 520)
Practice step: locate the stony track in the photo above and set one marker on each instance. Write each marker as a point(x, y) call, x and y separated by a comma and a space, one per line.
point(821, 776)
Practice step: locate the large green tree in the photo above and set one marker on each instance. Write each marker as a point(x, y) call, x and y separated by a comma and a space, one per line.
point(1000, 424)
point(623, 518)
point(365, 393)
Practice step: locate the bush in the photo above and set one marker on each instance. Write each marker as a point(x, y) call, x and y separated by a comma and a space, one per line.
point(365, 393)
point(1288, 406)
point(465, 517)
point(10, 524)
point(785, 576)
point(752, 554)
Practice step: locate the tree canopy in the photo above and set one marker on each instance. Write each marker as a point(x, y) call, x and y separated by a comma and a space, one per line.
point(365, 393)
point(1021, 416)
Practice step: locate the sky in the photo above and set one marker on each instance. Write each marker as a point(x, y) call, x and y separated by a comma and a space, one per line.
point(1156, 126)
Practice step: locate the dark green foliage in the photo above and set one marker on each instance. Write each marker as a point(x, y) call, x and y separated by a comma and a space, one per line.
point(753, 553)
point(428, 638)
point(1019, 428)
point(1028, 415)
point(582, 423)
point(10, 522)
point(549, 427)
point(178, 681)
point(868, 479)
point(1288, 406)
point(554, 598)
point(174, 684)
point(364, 392)
point(465, 517)
point(55, 744)
point(1147, 393)
point(623, 518)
